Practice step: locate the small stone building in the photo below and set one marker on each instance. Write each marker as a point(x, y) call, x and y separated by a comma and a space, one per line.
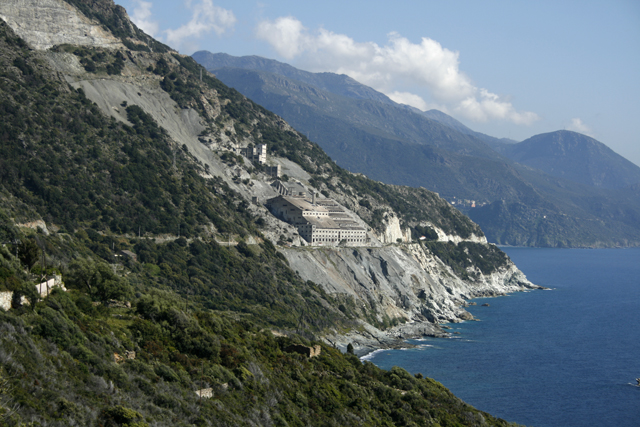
point(304, 350)
point(257, 154)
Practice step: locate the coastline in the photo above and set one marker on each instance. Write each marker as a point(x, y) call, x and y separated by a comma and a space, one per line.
point(368, 340)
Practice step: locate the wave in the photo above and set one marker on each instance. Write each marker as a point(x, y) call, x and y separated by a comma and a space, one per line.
point(369, 356)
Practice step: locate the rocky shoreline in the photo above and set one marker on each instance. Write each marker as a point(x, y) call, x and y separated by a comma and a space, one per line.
point(367, 339)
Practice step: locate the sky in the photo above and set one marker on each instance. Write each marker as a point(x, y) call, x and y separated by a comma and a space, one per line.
point(510, 69)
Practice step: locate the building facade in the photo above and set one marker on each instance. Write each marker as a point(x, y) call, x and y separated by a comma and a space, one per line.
point(257, 154)
point(321, 223)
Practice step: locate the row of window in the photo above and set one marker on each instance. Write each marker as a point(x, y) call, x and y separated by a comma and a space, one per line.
point(335, 240)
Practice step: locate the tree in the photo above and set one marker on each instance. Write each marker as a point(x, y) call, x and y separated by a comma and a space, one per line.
point(27, 290)
point(6, 391)
point(99, 279)
point(28, 252)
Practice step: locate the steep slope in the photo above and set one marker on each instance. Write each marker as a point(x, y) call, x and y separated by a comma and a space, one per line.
point(576, 157)
point(498, 144)
point(118, 171)
point(395, 144)
point(338, 84)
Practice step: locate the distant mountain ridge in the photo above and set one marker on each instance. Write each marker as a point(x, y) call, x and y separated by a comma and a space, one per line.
point(515, 204)
point(576, 157)
point(338, 84)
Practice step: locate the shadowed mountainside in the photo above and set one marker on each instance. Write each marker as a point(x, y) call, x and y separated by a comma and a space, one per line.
point(576, 157)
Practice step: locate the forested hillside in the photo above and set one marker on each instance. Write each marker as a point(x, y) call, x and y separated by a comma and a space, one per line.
point(172, 285)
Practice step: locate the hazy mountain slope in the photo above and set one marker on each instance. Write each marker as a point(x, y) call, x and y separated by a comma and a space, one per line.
point(576, 157)
point(334, 83)
point(339, 84)
point(386, 143)
point(498, 144)
point(279, 93)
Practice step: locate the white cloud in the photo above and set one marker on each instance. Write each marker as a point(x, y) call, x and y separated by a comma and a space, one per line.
point(409, 98)
point(206, 17)
point(392, 68)
point(284, 34)
point(141, 17)
point(578, 126)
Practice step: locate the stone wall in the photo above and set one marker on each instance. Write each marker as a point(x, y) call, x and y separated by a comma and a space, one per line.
point(5, 300)
point(304, 350)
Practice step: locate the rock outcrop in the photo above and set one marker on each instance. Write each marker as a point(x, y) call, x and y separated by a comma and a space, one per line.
point(5, 299)
point(392, 231)
point(402, 282)
point(46, 23)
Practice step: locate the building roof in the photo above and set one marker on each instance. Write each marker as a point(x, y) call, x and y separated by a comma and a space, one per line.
point(325, 223)
point(300, 203)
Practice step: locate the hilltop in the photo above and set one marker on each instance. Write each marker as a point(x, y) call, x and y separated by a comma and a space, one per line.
point(185, 301)
point(575, 157)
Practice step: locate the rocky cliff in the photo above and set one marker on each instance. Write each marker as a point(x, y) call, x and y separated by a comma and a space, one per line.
point(403, 283)
point(45, 23)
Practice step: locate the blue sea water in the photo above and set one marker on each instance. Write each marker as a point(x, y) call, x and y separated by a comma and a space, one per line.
point(565, 357)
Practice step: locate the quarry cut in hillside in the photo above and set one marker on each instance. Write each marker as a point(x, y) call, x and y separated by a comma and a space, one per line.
point(45, 23)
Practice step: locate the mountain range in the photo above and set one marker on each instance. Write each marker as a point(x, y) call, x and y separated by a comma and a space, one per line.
point(559, 197)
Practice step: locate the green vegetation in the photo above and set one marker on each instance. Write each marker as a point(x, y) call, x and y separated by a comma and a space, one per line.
point(132, 340)
point(464, 255)
point(96, 60)
point(63, 372)
point(68, 359)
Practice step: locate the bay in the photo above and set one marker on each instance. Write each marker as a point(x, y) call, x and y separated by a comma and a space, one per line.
point(564, 357)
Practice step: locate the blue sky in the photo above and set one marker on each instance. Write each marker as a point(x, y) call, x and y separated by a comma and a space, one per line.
point(506, 68)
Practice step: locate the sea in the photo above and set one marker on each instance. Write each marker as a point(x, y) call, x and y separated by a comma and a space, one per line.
point(563, 357)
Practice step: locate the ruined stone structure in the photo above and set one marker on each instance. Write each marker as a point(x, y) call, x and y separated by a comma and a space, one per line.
point(47, 286)
point(274, 171)
point(320, 223)
point(5, 299)
point(304, 350)
point(121, 358)
point(257, 154)
point(289, 188)
point(206, 393)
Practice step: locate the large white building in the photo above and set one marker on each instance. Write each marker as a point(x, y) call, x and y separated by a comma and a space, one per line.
point(320, 223)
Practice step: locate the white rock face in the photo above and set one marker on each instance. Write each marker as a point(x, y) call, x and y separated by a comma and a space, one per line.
point(403, 282)
point(5, 300)
point(444, 237)
point(45, 23)
point(35, 225)
point(393, 231)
